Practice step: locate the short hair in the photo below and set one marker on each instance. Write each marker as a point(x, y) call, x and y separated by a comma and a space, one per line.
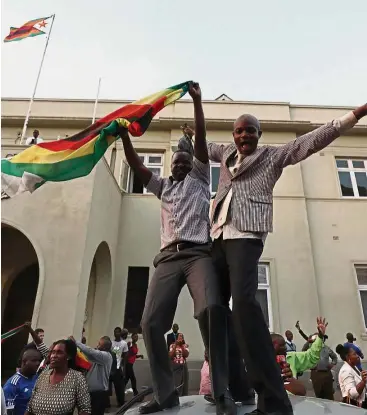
point(31, 350)
point(37, 331)
point(117, 328)
point(25, 349)
point(107, 342)
point(275, 337)
point(182, 151)
point(248, 117)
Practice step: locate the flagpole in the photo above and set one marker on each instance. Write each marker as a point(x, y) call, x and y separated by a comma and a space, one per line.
point(96, 102)
point(35, 87)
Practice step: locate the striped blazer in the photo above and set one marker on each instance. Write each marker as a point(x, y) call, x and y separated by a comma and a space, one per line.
point(253, 184)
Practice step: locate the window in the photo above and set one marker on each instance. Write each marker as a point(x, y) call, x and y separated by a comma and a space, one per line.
point(214, 177)
point(130, 183)
point(137, 286)
point(361, 271)
point(352, 177)
point(263, 294)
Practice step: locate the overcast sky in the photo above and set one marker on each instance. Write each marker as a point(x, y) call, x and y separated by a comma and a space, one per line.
point(309, 52)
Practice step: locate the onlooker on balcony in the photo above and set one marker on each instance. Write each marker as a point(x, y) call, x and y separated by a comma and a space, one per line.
point(35, 139)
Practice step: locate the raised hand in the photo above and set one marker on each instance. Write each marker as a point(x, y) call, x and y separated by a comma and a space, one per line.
point(297, 325)
point(28, 325)
point(195, 91)
point(360, 112)
point(321, 326)
point(187, 130)
point(123, 133)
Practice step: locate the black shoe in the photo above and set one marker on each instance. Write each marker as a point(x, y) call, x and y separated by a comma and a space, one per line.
point(246, 400)
point(210, 399)
point(153, 406)
point(250, 400)
point(226, 405)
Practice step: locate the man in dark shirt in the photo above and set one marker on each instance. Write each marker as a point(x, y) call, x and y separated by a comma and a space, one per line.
point(321, 376)
point(172, 337)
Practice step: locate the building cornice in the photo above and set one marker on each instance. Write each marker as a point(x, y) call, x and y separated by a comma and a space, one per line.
point(166, 124)
point(186, 101)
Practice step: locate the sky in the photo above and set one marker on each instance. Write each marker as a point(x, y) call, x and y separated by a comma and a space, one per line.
point(312, 52)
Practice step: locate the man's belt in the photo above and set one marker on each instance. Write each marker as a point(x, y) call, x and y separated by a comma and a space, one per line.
point(181, 246)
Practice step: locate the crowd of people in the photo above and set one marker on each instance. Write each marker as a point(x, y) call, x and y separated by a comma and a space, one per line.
point(53, 380)
point(320, 359)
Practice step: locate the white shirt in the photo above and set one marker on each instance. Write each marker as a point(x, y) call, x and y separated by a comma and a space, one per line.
point(291, 347)
point(118, 348)
point(348, 380)
point(29, 140)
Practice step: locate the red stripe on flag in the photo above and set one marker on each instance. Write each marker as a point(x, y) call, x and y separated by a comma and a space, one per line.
point(77, 141)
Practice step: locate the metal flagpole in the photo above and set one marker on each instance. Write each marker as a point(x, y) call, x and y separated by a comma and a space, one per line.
point(35, 87)
point(96, 103)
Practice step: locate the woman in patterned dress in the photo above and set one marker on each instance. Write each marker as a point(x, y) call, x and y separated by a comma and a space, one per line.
point(60, 389)
point(178, 353)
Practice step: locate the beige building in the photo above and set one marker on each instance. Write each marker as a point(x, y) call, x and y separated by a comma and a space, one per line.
point(79, 254)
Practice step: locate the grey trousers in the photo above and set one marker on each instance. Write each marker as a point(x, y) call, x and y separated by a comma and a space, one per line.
point(193, 267)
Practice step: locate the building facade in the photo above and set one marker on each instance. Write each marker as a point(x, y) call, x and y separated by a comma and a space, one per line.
point(79, 254)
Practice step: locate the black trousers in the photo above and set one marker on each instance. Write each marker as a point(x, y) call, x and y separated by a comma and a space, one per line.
point(130, 375)
point(117, 380)
point(181, 376)
point(323, 384)
point(99, 401)
point(194, 267)
point(236, 262)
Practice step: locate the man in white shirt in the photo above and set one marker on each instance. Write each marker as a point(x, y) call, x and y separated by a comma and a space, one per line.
point(35, 139)
point(120, 348)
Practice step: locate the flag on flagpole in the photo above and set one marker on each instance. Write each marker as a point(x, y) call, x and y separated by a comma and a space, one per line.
point(77, 155)
point(30, 29)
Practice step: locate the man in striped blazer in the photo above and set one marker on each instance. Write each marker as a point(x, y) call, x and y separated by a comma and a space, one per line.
point(242, 215)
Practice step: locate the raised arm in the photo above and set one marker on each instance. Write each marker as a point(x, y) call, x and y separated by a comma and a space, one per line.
point(314, 141)
point(35, 337)
point(200, 147)
point(301, 332)
point(133, 159)
point(94, 355)
point(307, 360)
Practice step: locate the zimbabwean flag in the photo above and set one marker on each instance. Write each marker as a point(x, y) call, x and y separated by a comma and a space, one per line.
point(27, 30)
point(76, 156)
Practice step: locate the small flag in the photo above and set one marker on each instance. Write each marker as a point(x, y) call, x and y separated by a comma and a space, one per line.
point(11, 333)
point(76, 156)
point(81, 361)
point(29, 29)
